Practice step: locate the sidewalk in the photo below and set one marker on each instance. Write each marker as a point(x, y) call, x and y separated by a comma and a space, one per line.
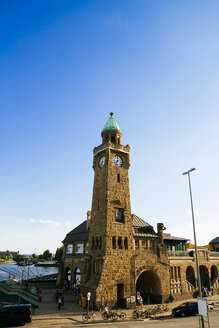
point(48, 308)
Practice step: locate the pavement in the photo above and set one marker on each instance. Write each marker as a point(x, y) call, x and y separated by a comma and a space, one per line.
point(48, 314)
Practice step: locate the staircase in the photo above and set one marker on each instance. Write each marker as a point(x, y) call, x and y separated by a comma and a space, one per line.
point(15, 293)
point(190, 287)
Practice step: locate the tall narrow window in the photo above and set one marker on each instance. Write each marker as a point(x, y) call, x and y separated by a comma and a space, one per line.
point(100, 244)
point(112, 139)
point(143, 243)
point(120, 242)
point(179, 273)
point(118, 177)
point(136, 244)
point(92, 243)
point(126, 243)
point(175, 273)
point(171, 269)
point(86, 248)
point(94, 267)
point(98, 205)
point(97, 242)
point(114, 242)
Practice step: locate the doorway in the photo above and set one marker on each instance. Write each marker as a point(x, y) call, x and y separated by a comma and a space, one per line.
point(120, 294)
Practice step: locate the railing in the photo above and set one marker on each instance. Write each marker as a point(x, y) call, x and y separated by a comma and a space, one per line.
point(179, 253)
point(214, 254)
point(17, 291)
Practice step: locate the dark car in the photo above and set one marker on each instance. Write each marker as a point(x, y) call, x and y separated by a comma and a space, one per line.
point(15, 315)
point(186, 309)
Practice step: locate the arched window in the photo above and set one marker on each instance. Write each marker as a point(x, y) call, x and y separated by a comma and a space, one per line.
point(77, 275)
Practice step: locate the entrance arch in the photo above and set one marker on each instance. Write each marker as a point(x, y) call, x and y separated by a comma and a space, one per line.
point(149, 286)
point(190, 275)
point(204, 276)
point(214, 274)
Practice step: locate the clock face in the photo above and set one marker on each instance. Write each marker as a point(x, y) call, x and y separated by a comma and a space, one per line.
point(101, 161)
point(117, 161)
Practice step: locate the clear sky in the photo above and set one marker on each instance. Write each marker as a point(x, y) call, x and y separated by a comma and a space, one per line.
point(64, 66)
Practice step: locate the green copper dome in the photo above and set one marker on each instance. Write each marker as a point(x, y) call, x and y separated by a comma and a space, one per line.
point(111, 124)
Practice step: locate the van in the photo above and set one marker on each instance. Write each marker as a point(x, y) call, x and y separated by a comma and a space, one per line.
point(17, 314)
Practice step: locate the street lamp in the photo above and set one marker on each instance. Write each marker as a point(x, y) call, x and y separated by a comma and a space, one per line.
point(196, 252)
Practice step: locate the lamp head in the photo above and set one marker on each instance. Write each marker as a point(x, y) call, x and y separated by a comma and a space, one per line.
point(187, 172)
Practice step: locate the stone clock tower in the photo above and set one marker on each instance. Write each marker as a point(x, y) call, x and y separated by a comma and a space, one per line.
point(111, 240)
point(115, 254)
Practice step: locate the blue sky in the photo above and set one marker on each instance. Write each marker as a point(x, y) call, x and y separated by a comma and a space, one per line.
point(64, 66)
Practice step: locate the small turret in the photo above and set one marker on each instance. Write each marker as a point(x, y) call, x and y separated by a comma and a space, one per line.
point(160, 229)
point(111, 131)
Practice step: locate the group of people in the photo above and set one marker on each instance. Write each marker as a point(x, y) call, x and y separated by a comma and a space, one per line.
point(76, 287)
point(206, 292)
point(104, 305)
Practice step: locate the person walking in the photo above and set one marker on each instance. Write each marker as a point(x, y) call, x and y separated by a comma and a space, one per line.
point(62, 299)
point(59, 302)
point(101, 304)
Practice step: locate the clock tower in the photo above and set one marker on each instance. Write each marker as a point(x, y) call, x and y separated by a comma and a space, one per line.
point(111, 240)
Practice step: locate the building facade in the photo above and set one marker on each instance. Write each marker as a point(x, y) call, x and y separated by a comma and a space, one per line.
point(114, 254)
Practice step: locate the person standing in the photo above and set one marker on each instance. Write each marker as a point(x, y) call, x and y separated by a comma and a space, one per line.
point(106, 308)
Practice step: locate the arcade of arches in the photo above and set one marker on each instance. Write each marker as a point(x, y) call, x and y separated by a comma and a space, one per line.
point(72, 279)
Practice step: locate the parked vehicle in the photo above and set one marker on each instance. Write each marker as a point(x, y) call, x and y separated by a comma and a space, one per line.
point(15, 315)
point(186, 309)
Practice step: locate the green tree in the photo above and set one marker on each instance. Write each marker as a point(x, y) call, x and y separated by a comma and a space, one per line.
point(47, 255)
point(59, 252)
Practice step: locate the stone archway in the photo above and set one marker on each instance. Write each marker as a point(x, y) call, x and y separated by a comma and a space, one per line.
point(67, 276)
point(204, 276)
point(190, 275)
point(214, 274)
point(149, 286)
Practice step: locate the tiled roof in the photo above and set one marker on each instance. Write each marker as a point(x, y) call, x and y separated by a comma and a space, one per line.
point(142, 234)
point(79, 233)
point(169, 237)
point(140, 229)
point(137, 222)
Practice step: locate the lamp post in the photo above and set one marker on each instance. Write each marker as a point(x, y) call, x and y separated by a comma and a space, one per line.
point(196, 252)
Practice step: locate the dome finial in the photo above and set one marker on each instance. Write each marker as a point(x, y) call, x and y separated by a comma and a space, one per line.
point(111, 113)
